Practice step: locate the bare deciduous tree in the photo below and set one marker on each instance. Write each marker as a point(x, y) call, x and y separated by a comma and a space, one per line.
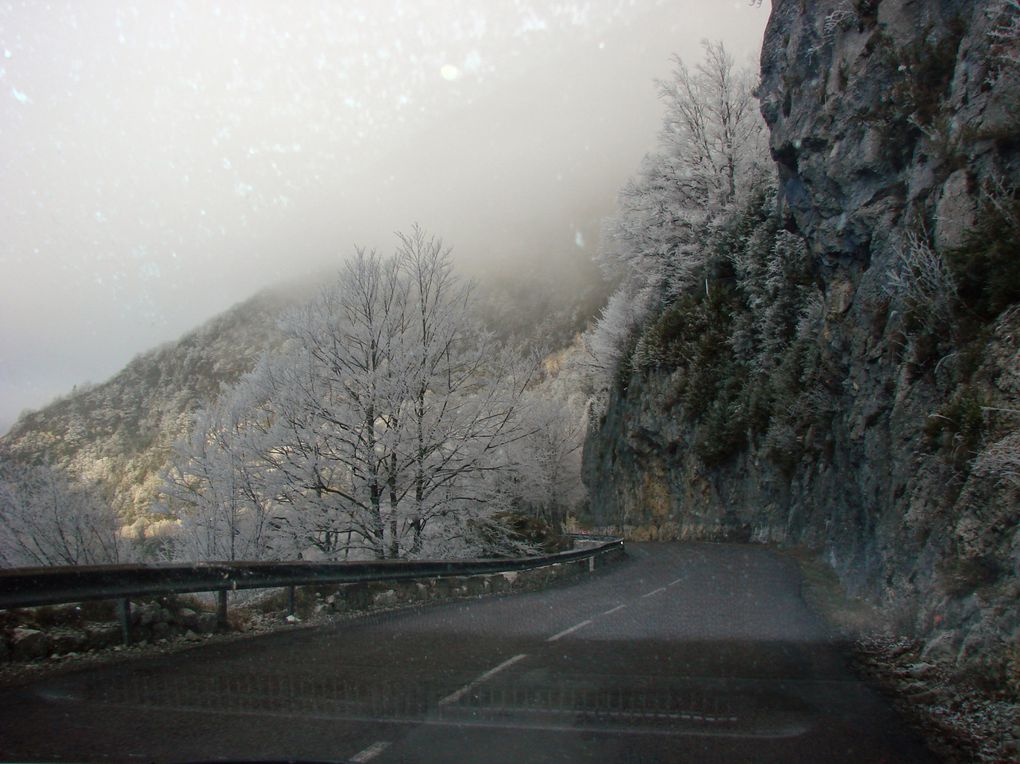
point(217, 483)
point(384, 421)
point(47, 520)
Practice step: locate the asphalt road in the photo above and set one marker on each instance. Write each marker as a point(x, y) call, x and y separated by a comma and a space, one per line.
point(682, 653)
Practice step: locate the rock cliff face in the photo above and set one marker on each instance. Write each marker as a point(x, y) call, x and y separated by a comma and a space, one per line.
point(894, 126)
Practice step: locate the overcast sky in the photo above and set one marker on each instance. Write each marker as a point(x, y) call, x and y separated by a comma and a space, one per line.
point(161, 161)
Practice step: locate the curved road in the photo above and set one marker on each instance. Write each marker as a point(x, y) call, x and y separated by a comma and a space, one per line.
point(682, 653)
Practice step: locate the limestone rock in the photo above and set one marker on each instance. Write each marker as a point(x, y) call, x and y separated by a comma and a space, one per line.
point(205, 623)
point(28, 644)
point(67, 640)
point(954, 212)
point(188, 618)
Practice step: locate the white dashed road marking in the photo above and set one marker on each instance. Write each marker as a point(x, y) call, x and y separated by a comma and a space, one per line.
point(674, 583)
point(572, 629)
point(371, 752)
point(453, 697)
point(618, 607)
point(656, 591)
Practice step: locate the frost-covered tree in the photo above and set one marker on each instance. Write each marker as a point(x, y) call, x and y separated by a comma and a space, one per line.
point(465, 392)
point(772, 275)
point(614, 333)
point(546, 482)
point(712, 151)
point(381, 425)
point(713, 133)
point(712, 156)
point(45, 519)
point(336, 401)
point(218, 483)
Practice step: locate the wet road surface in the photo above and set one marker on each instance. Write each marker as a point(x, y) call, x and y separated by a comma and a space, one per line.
point(682, 653)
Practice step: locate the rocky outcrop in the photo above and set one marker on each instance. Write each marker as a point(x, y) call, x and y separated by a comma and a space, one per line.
point(894, 127)
point(70, 630)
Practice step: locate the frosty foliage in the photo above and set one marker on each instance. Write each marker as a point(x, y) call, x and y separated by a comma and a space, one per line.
point(546, 479)
point(712, 152)
point(842, 17)
point(47, 520)
point(1004, 35)
point(616, 329)
point(774, 289)
point(736, 352)
point(1000, 461)
point(219, 474)
point(713, 137)
point(380, 431)
point(922, 280)
point(812, 314)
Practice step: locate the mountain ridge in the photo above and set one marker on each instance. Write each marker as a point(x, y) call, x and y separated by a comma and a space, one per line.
point(115, 435)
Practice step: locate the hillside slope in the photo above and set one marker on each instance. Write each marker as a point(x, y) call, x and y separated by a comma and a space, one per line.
point(117, 435)
point(887, 435)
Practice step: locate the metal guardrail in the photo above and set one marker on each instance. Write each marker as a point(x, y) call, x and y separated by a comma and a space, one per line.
point(31, 587)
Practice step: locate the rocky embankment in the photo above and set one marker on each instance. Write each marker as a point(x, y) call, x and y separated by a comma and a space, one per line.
point(894, 126)
point(67, 631)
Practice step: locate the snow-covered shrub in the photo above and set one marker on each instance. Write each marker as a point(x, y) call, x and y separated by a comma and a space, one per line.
point(45, 519)
point(1000, 461)
point(985, 268)
point(1004, 34)
point(611, 341)
point(843, 17)
point(923, 282)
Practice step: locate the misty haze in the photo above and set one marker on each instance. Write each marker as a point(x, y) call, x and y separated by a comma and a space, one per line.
point(163, 163)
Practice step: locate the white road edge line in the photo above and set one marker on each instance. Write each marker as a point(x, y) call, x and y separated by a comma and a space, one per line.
point(657, 591)
point(371, 752)
point(618, 607)
point(572, 629)
point(674, 583)
point(453, 697)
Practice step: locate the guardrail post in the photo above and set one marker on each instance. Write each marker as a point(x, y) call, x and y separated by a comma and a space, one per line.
point(221, 608)
point(291, 592)
point(124, 616)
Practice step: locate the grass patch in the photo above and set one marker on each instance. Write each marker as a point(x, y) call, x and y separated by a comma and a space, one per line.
point(824, 594)
point(957, 429)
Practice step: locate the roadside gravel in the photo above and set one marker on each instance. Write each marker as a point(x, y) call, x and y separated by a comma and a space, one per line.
point(960, 721)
